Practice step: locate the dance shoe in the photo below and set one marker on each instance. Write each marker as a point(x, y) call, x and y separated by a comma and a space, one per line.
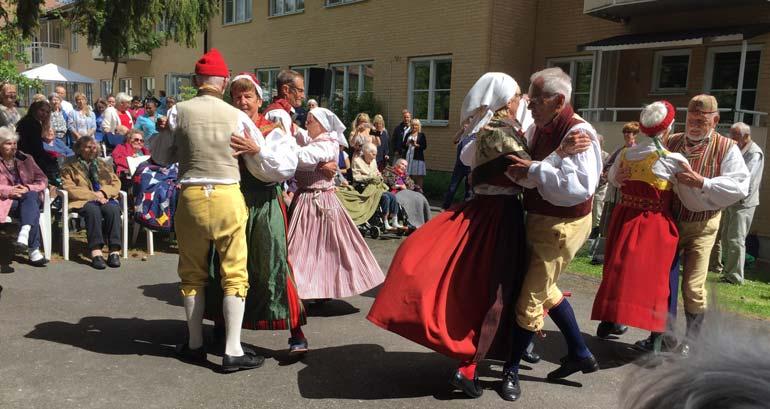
point(297, 346)
point(245, 361)
point(470, 387)
point(572, 365)
point(186, 354)
point(510, 389)
point(606, 328)
point(530, 357)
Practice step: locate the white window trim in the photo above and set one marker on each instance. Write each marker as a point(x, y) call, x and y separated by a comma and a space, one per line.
point(103, 90)
point(172, 91)
point(710, 54)
point(130, 82)
point(343, 3)
point(143, 89)
point(248, 18)
point(346, 78)
point(73, 42)
point(573, 60)
point(656, 66)
point(272, 73)
point(429, 121)
point(303, 69)
point(272, 13)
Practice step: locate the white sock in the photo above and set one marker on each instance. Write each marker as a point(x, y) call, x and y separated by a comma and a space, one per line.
point(233, 308)
point(387, 225)
point(35, 255)
point(24, 234)
point(394, 222)
point(194, 307)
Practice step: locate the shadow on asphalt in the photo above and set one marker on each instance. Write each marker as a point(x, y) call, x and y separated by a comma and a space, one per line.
point(329, 308)
point(610, 353)
point(166, 292)
point(367, 372)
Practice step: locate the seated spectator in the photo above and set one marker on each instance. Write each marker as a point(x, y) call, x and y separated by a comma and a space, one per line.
point(365, 172)
point(82, 121)
point(93, 192)
point(408, 194)
point(58, 116)
point(32, 128)
point(147, 121)
point(56, 148)
point(21, 182)
point(133, 147)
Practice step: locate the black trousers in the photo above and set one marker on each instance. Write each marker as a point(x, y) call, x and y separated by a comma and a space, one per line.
point(102, 222)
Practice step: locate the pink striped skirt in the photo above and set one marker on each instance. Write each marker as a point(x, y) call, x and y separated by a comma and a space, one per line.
point(329, 256)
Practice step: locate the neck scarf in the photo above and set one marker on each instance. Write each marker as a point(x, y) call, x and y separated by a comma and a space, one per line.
point(92, 170)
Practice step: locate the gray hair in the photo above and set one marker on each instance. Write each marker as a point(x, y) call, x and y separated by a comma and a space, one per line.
point(555, 81)
point(122, 97)
point(133, 131)
point(8, 134)
point(53, 95)
point(286, 77)
point(400, 160)
point(742, 128)
point(312, 101)
point(369, 148)
point(218, 82)
point(728, 366)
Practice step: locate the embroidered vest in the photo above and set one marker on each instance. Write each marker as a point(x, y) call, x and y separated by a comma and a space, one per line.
point(545, 141)
point(706, 159)
point(641, 170)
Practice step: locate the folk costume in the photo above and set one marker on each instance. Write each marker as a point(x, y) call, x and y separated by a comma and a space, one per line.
point(719, 161)
point(210, 209)
point(637, 289)
point(272, 302)
point(455, 295)
point(558, 203)
point(329, 255)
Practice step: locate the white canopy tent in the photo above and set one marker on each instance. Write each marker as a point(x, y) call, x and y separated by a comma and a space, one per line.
point(52, 75)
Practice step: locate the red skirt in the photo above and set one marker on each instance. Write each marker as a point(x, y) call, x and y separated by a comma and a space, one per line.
point(453, 283)
point(641, 247)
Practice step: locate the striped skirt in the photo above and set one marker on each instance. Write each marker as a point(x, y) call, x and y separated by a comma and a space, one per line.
point(328, 253)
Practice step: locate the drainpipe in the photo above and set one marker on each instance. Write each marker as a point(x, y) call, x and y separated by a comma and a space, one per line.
point(741, 72)
point(205, 41)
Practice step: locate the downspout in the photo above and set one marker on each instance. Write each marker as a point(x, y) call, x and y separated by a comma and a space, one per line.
point(739, 116)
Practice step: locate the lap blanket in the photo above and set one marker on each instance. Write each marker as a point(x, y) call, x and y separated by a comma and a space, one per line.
point(155, 194)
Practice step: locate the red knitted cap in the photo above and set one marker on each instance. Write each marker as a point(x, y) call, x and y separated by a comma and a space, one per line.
point(654, 129)
point(212, 64)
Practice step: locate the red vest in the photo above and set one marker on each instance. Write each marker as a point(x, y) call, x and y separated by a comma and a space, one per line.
point(544, 142)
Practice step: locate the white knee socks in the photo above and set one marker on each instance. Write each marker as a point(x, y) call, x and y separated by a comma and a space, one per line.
point(193, 307)
point(233, 308)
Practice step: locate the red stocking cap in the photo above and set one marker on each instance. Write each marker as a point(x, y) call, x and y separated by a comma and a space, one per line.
point(212, 64)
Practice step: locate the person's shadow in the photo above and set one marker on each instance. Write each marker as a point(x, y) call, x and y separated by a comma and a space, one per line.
point(167, 292)
point(611, 353)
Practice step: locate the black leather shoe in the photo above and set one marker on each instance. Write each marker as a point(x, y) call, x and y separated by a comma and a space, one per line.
point(531, 357)
point(39, 263)
point(472, 388)
point(98, 263)
point(667, 343)
point(510, 389)
point(606, 328)
point(245, 361)
point(572, 365)
point(113, 260)
point(20, 247)
point(186, 354)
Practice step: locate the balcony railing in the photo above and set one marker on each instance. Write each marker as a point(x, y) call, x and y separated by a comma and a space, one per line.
point(37, 50)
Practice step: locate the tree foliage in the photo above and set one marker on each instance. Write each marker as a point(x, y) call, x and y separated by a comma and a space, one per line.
point(125, 27)
point(22, 15)
point(14, 55)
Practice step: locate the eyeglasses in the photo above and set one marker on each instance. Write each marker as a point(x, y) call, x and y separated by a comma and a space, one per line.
point(540, 99)
point(302, 90)
point(138, 140)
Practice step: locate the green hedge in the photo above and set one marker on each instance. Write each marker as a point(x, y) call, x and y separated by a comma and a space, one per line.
point(436, 184)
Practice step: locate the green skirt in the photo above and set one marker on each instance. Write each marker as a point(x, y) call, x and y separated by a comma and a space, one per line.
point(272, 302)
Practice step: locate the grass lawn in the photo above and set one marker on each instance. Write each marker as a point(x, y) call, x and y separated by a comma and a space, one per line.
point(751, 299)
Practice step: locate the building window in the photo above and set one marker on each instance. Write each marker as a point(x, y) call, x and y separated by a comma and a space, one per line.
point(284, 7)
point(105, 87)
point(304, 70)
point(73, 42)
point(148, 86)
point(580, 69)
point(175, 82)
point(332, 3)
point(236, 11)
point(267, 77)
point(351, 80)
point(430, 82)
point(670, 71)
point(723, 66)
point(126, 85)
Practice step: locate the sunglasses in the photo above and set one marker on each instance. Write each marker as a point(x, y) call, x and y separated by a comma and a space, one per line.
point(137, 140)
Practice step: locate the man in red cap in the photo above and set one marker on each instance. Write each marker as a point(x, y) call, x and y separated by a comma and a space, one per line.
point(211, 208)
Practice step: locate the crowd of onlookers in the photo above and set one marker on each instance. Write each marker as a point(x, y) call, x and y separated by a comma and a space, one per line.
point(78, 148)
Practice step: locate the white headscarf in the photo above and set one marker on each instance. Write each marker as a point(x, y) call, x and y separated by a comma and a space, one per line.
point(491, 92)
point(331, 123)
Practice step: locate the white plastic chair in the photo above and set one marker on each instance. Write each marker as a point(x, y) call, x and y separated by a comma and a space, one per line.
point(66, 216)
point(149, 236)
point(45, 224)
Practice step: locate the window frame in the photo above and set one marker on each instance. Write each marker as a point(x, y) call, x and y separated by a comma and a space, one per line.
point(430, 120)
point(130, 82)
point(105, 88)
point(272, 74)
point(248, 12)
point(572, 72)
point(709, 74)
point(173, 90)
point(143, 88)
point(346, 80)
point(657, 65)
point(339, 3)
point(73, 42)
point(272, 13)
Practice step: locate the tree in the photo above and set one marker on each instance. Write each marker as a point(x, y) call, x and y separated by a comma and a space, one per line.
point(24, 17)
point(125, 27)
point(14, 55)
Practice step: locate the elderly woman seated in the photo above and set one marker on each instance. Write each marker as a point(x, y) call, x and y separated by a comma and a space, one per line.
point(93, 191)
point(21, 182)
point(407, 193)
point(365, 172)
point(133, 147)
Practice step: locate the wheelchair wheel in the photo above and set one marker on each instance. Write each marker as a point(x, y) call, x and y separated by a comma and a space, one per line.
point(374, 231)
